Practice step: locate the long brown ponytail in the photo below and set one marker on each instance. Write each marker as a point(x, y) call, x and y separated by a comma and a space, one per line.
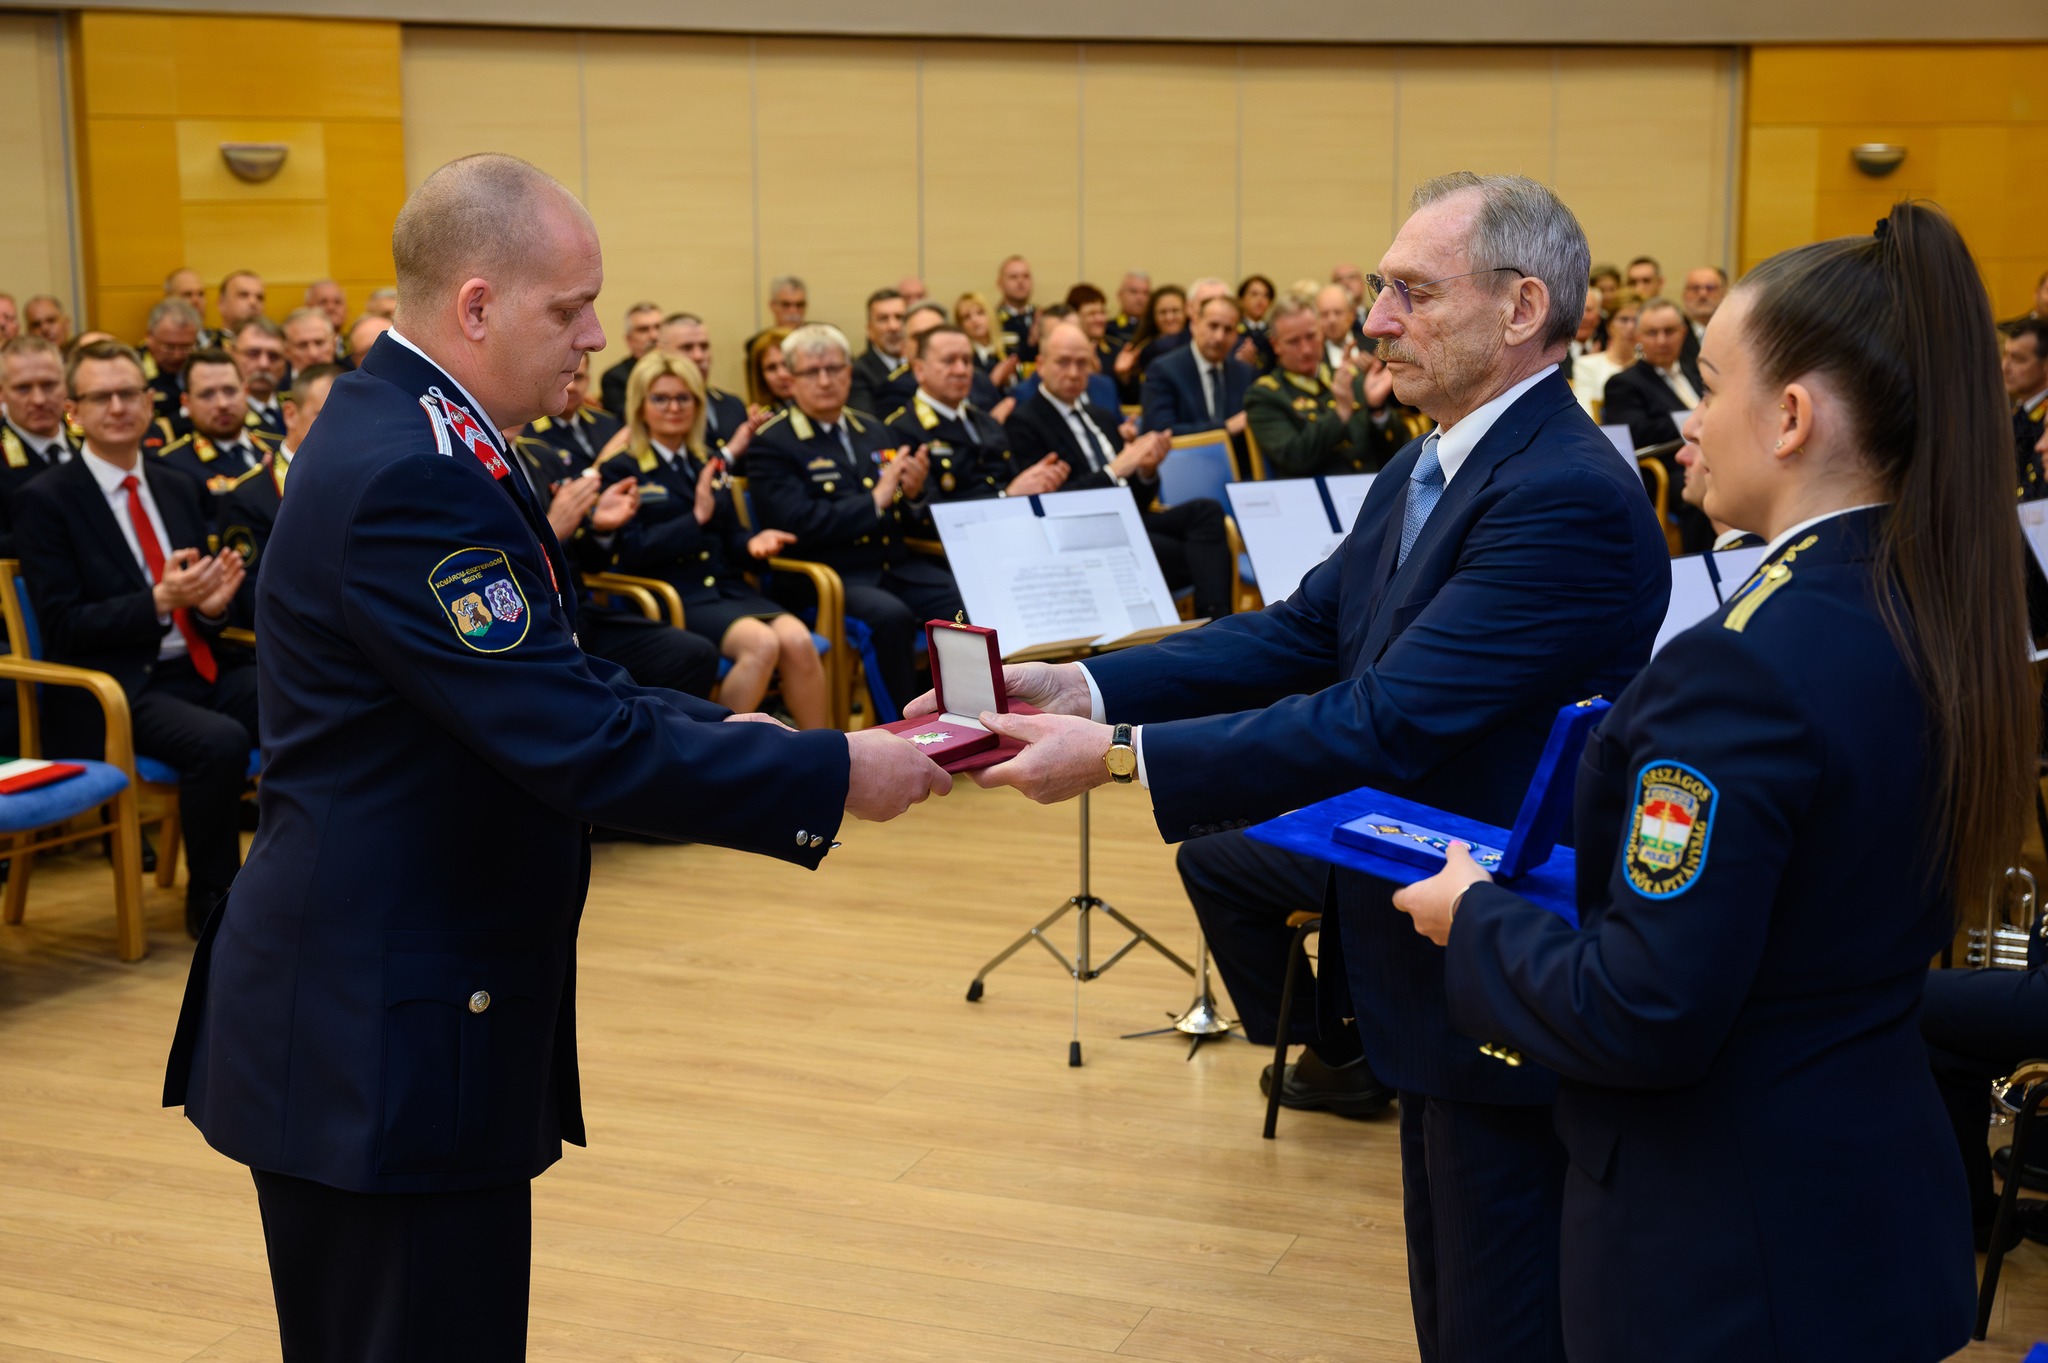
point(1900, 321)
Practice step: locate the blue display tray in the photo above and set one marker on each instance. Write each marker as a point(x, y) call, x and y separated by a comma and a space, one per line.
point(1311, 832)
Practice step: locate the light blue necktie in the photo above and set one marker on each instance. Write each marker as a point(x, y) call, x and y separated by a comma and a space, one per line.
point(1425, 486)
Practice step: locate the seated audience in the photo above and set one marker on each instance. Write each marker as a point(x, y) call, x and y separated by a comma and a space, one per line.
point(331, 301)
point(1201, 386)
point(1606, 280)
point(1652, 396)
point(1187, 538)
point(1161, 329)
point(836, 479)
point(258, 348)
point(769, 386)
point(684, 334)
point(883, 359)
point(381, 303)
point(912, 289)
point(363, 335)
point(10, 318)
point(1015, 314)
point(643, 330)
point(1255, 297)
point(46, 318)
point(1582, 342)
point(1645, 278)
point(247, 511)
point(969, 450)
point(1590, 372)
point(688, 532)
point(2024, 362)
point(242, 297)
point(35, 437)
point(113, 548)
point(895, 394)
point(1352, 280)
point(789, 304)
point(1089, 308)
point(584, 428)
point(991, 343)
point(1306, 427)
point(1704, 289)
point(1101, 388)
point(1133, 292)
point(218, 446)
point(308, 338)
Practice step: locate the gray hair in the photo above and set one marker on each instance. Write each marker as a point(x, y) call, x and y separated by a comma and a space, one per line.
point(815, 338)
point(644, 306)
point(1651, 305)
point(1289, 304)
point(1145, 275)
point(174, 310)
point(783, 283)
point(308, 315)
point(1524, 225)
point(385, 294)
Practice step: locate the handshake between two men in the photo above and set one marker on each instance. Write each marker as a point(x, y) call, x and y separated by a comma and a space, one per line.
point(1062, 756)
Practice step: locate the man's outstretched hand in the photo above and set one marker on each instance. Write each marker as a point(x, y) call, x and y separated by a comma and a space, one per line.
point(889, 775)
point(1057, 689)
point(1062, 756)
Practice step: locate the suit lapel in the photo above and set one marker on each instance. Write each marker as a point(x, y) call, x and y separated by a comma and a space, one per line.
point(100, 516)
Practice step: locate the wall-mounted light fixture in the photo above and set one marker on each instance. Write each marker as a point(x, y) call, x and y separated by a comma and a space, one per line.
point(1877, 159)
point(254, 162)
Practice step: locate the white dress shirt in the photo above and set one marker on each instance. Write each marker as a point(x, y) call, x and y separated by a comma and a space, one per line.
point(1210, 396)
point(51, 449)
point(113, 479)
point(1454, 445)
point(1101, 451)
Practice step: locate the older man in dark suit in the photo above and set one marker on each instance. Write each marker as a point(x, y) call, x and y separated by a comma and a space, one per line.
point(1502, 566)
point(1652, 396)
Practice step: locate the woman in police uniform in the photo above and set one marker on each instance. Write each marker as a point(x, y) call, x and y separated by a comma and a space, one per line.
point(1775, 825)
point(688, 533)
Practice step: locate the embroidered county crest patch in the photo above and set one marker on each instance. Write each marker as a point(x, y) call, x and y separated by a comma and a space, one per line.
point(1669, 829)
point(480, 595)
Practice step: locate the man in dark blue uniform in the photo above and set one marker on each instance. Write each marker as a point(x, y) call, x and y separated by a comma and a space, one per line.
point(580, 431)
point(381, 1022)
point(1502, 566)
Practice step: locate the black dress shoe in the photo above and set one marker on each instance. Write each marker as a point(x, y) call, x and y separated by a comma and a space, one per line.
point(1311, 1084)
point(2032, 1175)
point(200, 902)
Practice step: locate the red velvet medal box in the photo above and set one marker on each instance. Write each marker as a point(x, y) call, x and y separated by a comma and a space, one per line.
point(967, 681)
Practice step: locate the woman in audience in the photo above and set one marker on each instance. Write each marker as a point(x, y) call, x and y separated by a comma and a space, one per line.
point(1162, 329)
point(688, 533)
point(1590, 372)
point(991, 351)
point(1775, 827)
point(769, 385)
point(1254, 300)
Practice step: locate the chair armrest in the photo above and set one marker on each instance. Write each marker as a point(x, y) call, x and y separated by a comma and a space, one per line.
point(235, 634)
point(28, 673)
point(839, 666)
point(657, 600)
point(1660, 498)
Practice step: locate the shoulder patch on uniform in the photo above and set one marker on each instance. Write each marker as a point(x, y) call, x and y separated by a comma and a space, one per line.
point(1669, 829)
point(479, 593)
point(1268, 382)
point(10, 444)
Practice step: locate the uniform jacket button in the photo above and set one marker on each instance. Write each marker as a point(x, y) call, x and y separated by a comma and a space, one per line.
point(803, 837)
point(817, 841)
point(479, 1001)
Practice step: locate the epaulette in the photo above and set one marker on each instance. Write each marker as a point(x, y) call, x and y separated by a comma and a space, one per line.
point(899, 371)
point(772, 422)
point(1763, 586)
point(237, 482)
point(926, 417)
point(543, 424)
point(1267, 382)
point(894, 417)
point(649, 461)
point(180, 443)
point(799, 425)
point(262, 440)
point(10, 444)
point(1308, 385)
point(149, 369)
point(590, 408)
point(852, 418)
point(2034, 412)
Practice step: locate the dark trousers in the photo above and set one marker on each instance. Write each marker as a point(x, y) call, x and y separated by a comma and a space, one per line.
point(1978, 1025)
point(1482, 1189)
point(1243, 892)
point(1193, 552)
point(656, 655)
point(398, 1277)
point(894, 606)
point(205, 730)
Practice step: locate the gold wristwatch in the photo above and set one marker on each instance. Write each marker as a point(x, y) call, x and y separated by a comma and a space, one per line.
point(1122, 758)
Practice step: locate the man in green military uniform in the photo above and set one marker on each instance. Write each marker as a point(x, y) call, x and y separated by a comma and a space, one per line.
point(1304, 426)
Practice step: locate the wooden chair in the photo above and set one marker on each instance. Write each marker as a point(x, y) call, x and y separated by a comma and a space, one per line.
point(1253, 457)
point(1660, 498)
point(842, 665)
point(652, 597)
point(109, 786)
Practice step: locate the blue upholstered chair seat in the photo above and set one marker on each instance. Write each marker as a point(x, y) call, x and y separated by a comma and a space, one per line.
point(164, 774)
point(44, 805)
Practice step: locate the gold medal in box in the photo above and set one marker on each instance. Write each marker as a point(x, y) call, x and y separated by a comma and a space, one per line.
point(967, 682)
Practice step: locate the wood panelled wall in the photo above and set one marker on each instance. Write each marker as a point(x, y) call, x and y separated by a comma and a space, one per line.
point(713, 163)
point(35, 232)
point(155, 97)
point(1973, 120)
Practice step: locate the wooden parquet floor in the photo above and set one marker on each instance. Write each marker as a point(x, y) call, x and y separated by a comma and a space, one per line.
point(805, 1146)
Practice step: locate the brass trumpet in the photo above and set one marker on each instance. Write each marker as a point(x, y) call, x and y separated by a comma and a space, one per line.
point(2008, 1093)
point(2002, 943)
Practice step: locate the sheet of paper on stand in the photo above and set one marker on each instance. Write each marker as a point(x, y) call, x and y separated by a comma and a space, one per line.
point(1403, 841)
point(1066, 568)
point(1701, 583)
point(1624, 443)
point(1289, 525)
point(967, 682)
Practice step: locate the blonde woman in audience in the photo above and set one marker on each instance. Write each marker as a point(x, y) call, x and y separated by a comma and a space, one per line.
point(689, 534)
point(991, 344)
point(1590, 373)
point(769, 385)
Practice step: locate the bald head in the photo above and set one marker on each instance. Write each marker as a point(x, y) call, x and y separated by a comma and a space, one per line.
point(488, 216)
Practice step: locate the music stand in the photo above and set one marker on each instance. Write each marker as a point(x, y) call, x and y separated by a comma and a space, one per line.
point(1201, 1020)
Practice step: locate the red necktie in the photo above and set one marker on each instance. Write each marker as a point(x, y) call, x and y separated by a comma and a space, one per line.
point(153, 556)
